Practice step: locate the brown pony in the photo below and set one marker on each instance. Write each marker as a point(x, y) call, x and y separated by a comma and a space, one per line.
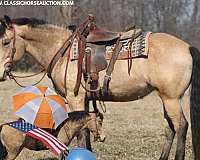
point(13, 141)
point(172, 65)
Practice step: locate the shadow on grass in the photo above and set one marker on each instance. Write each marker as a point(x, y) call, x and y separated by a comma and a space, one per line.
point(49, 159)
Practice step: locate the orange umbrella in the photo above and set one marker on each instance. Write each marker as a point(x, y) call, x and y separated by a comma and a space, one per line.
point(41, 106)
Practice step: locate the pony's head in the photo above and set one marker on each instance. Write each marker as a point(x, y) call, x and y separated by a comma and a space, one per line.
point(95, 125)
point(12, 46)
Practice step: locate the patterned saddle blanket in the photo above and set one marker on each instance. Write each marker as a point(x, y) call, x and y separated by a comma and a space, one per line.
point(102, 51)
point(138, 49)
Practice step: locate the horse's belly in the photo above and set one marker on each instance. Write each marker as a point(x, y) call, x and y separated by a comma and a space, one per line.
point(125, 96)
point(34, 144)
point(127, 91)
point(124, 87)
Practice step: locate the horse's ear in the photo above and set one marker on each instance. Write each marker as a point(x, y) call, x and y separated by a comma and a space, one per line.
point(8, 21)
point(2, 23)
point(2, 27)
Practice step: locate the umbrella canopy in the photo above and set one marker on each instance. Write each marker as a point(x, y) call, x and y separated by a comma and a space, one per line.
point(40, 105)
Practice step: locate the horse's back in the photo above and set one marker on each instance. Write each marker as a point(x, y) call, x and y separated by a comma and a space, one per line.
point(166, 37)
point(170, 63)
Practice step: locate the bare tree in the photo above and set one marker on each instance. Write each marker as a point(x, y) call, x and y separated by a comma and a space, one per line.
point(177, 17)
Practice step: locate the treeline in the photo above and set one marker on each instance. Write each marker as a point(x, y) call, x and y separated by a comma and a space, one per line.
point(177, 17)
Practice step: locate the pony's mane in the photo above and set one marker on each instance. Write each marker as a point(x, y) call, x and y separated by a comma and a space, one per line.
point(76, 116)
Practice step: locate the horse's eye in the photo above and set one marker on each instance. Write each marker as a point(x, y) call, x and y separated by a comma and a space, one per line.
point(6, 42)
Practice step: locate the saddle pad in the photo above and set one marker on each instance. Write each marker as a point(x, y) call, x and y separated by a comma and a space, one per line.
point(139, 48)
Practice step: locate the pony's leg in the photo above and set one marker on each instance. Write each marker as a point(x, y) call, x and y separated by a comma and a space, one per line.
point(12, 140)
point(175, 114)
point(79, 103)
point(169, 135)
point(84, 136)
point(11, 156)
point(3, 150)
point(84, 139)
point(13, 153)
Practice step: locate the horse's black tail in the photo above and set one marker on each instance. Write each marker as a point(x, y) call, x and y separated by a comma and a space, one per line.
point(3, 151)
point(195, 102)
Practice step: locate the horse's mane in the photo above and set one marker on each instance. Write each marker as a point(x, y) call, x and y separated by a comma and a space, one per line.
point(29, 21)
point(34, 22)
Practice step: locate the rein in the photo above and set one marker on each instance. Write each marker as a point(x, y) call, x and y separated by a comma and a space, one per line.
point(8, 65)
point(80, 33)
point(12, 51)
point(11, 76)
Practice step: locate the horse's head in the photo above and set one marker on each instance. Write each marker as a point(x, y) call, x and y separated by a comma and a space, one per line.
point(12, 46)
point(95, 125)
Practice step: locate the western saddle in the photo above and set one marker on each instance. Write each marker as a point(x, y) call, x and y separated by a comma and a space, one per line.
point(92, 42)
point(95, 54)
point(100, 35)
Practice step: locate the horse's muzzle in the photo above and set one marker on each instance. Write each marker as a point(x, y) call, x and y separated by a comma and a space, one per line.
point(100, 138)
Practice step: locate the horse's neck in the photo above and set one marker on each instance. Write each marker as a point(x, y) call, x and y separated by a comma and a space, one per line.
point(43, 42)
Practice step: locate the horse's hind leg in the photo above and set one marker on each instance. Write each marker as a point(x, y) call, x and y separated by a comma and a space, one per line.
point(169, 134)
point(181, 138)
point(178, 124)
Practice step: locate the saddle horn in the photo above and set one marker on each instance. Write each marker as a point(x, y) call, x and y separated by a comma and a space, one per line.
point(72, 27)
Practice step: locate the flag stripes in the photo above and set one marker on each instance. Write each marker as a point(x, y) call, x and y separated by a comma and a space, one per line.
point(61, 145)
point(54, 144)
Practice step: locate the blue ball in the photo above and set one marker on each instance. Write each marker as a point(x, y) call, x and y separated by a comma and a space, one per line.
point(80, 154)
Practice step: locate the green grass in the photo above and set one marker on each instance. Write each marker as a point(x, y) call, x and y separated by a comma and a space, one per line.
point(134, 130)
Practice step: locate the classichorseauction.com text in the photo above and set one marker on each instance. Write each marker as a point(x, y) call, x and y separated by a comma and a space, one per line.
point(37, 3)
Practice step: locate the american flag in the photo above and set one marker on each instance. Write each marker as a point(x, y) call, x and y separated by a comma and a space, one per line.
point(54, 144)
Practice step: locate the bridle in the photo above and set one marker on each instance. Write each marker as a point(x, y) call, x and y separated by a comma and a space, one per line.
point(10, 59)
point(81, 33)
point(12, 51)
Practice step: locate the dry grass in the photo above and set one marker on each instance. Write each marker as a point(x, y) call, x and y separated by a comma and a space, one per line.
point(135, 130)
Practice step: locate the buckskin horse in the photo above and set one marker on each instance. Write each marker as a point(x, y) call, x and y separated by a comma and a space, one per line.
point(171, 67)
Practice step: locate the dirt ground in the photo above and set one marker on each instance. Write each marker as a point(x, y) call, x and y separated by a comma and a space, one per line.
point(134, 130)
